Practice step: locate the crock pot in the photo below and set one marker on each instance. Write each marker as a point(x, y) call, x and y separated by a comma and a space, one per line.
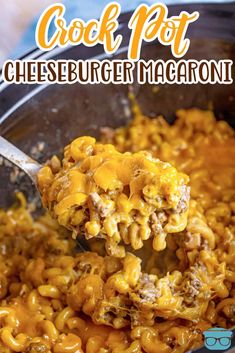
point(54, 114)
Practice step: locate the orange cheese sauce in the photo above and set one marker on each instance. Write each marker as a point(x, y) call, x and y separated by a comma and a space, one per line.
point(56, 300)
point(103, 193)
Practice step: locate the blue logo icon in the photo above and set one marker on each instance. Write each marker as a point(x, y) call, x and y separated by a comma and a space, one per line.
point(217, 339)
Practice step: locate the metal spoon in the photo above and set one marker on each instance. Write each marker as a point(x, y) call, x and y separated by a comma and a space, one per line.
point(30, 167)
point(20, 159)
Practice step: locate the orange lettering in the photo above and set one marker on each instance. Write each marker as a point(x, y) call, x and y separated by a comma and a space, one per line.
point(44, 22)
point(169, 31)
point(108, 26)
point(91, 28)
point(76, 31)
point(147, 24)
point(138, 23)
point(181, 45)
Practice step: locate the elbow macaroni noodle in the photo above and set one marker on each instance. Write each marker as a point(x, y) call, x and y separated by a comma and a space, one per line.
point(101, 192)
point(56, 300)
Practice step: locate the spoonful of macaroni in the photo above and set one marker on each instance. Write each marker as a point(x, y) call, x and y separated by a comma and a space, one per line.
point(123, 198)
point(98, 192)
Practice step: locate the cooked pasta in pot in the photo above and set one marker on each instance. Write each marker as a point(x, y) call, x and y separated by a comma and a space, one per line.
point(101, 192)
point(54, 299)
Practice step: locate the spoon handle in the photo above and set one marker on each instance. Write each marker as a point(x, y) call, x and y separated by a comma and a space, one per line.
point(20, 159)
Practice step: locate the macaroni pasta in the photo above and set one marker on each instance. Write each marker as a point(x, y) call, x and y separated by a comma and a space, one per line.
point(56, 300)
point(127, 197)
